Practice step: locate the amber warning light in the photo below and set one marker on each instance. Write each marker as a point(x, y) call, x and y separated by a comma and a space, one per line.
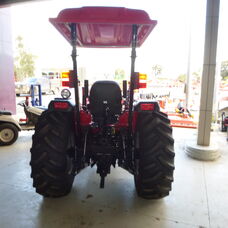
point(65, 74)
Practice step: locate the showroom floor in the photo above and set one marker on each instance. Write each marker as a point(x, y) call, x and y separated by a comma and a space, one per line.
point(199, 197)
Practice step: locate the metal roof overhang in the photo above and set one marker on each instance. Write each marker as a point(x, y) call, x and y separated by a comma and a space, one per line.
point(104, 26)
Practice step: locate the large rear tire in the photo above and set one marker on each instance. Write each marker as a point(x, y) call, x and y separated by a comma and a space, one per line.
point(155, 155)
point(52, 163)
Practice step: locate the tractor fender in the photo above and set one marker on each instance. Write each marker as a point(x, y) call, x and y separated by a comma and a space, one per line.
point(9, 119)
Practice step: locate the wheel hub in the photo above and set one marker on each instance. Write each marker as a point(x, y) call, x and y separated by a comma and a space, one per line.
point(6, 135)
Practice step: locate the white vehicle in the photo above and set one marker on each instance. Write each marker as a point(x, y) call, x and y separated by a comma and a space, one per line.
point(47, 86)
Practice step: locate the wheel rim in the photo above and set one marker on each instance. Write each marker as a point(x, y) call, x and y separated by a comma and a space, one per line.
point(6, 135)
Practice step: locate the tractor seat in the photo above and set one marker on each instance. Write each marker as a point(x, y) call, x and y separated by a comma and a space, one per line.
point(105, 101)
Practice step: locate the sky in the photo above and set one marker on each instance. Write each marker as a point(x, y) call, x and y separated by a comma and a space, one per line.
point(168, 44)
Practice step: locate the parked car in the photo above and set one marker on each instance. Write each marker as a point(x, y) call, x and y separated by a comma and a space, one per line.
point(24, 86)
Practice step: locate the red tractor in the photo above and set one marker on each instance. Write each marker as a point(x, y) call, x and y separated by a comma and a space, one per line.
point(108, 127)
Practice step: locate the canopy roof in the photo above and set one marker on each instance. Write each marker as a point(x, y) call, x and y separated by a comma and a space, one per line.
point(104, 26)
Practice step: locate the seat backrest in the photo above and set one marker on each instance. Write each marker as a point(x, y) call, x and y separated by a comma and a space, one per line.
point(103, 95)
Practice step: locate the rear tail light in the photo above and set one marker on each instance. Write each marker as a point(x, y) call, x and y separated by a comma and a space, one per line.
point(142, 85)
point(61, 105)
point(68, 79)
point(65, 83)
point(140, 81)
point(147, 107)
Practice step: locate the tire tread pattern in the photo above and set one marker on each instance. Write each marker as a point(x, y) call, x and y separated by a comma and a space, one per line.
point(52, 167)
point(154, 175)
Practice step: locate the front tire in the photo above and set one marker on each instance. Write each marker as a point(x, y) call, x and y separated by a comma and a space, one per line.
point(52, 163)
point(155, 155)
point(8, 134)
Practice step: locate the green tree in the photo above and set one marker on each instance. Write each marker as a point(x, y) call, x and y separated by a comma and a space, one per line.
point(224, 70)
point(24, 62)
point(182, 78)
point(196, 76)
point(156, 70)
point(119, 74)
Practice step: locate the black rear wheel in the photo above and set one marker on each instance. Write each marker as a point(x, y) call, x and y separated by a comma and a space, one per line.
point(52, 163)
point(155, 155)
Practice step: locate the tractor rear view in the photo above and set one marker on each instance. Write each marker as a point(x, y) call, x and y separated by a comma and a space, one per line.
point(107, 128)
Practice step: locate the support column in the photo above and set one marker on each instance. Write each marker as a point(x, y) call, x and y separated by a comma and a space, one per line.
point(204, 149)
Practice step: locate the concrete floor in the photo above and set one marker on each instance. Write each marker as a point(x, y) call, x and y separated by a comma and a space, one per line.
point(199, 197)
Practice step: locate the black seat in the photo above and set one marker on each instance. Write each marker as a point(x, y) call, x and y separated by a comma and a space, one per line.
point(105, 101)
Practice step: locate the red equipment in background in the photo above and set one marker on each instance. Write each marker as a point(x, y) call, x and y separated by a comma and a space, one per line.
point(179, 119)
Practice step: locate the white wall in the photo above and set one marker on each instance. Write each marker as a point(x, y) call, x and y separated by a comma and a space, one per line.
point(7, 88)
